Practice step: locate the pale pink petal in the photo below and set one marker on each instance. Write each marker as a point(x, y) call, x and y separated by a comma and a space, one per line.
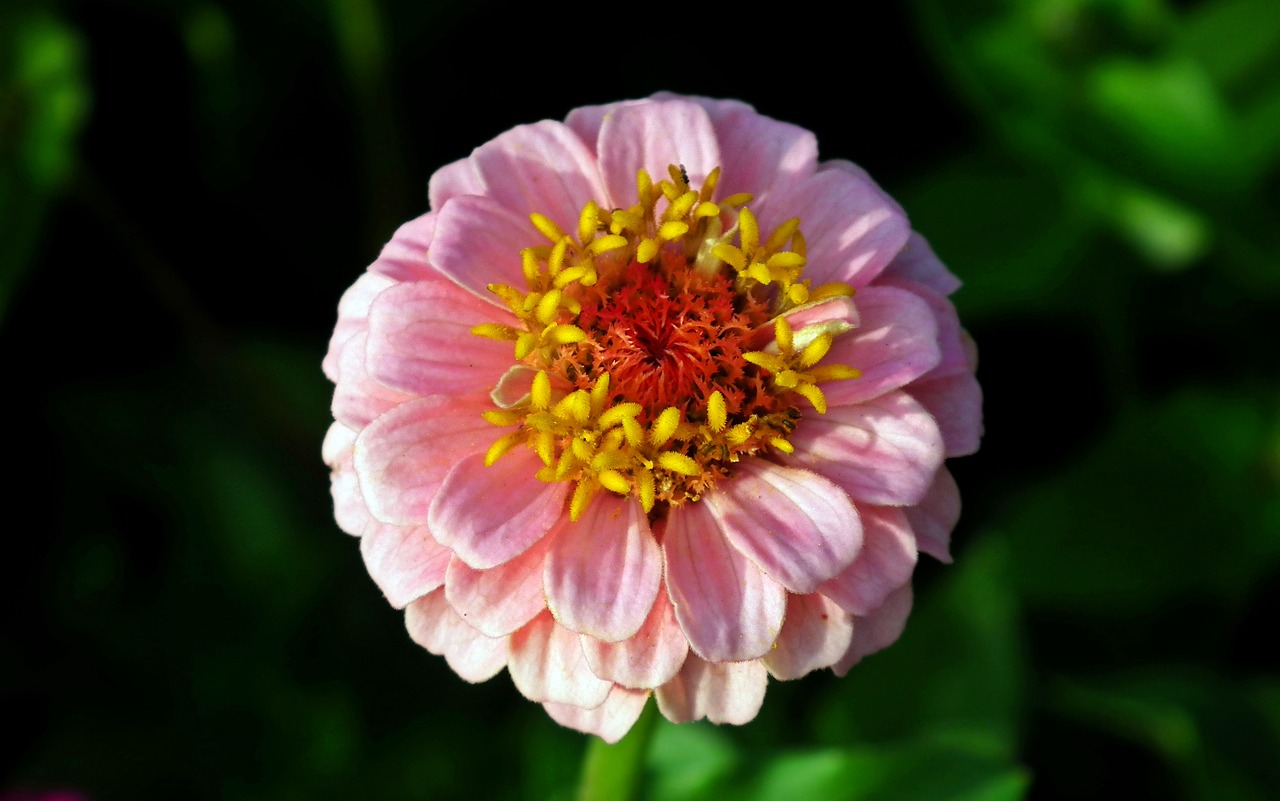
point(501, 599)
point(878, 630)
point(852, 228)
point(585, 121)
point(454, 180)
point(883, 452)
point(721, 692)
point(956, 404)
point(648, 659)
point(420, 341)
point(917, 262)
point(489, 515)
point(336, 448)
point(935, 517)
point(543, 168)
point(404, 258)
point(609, 721)
point(478, 242)
point(816, 635)
point(434, 625)
point(353, 317)
point(886, 562)
point(950, 337)
point(797, 526)
point(349, 509)
point(835, 313)
point(405, 562)
point(357, 398)
point(654, 135)
point(895, 343)
point(728, 608)
point(547, 665)
point(514, 386)
point(604, 570)
point(757, 153)
point(404, 455)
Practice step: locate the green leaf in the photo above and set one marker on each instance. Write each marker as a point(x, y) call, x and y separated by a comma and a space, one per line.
point(923, 769)
point(1214, 735)
point(1179, 499)
point(1167, 115)
point(43, 104)
point(688, 762)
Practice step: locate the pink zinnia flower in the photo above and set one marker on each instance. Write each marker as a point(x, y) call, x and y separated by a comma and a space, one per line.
point(651, 402)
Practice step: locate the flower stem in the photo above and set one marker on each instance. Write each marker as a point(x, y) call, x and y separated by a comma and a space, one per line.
point(613, 772)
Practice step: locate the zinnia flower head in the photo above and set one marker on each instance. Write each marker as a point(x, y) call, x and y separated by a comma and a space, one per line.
point(651, 402)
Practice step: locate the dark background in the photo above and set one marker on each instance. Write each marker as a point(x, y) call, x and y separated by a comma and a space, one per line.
point(186, 188)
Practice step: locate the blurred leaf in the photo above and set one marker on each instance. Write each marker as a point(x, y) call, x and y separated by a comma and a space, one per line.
point(43, 103)
point(957, 669)
point(1007, 230)
point(1170, 235)
point(1168, 115)
point(922, 769)
point(687, 762)
point(1232, 39)
point(1177, 500)
point(1213, 734)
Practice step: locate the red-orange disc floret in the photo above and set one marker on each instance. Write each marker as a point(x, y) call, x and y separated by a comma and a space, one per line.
point(670, 336)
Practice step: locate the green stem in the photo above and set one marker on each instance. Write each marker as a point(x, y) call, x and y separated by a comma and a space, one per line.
point(613, 772)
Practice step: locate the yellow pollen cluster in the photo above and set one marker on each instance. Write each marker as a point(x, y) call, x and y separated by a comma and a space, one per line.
point(579, 439)
point(795, 366)
point(587, 432)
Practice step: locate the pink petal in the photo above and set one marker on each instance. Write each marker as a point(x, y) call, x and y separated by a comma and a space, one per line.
point(917, 262)
point(478, 242)
point(883, 452)
point(585, 121)
point(835, 310)
point(349, 509)
point(405, 562)
point(896, 343)
point(934, 518)
point(956, 404)
point(852, 228)
point(434, 625)
point(404, 258)
point(798, 527)
point(502, 599)
point(729, 609)
point(547, 665)
point(887, 560)
point(757, 153)
point(654, 135)
point(454, 180)
point(648, 659)
point(404, 455)
point(609, 721)
point(543, 168)
point(604, 570)
point(950, 337)
point(722, 692)
point(816, 635)
point(353, 317)
point(878, 630)
point(420, 341)
point(489, 515)
point(357, 398)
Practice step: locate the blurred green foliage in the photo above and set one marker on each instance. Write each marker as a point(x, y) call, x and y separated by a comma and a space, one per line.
point(187, 186)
